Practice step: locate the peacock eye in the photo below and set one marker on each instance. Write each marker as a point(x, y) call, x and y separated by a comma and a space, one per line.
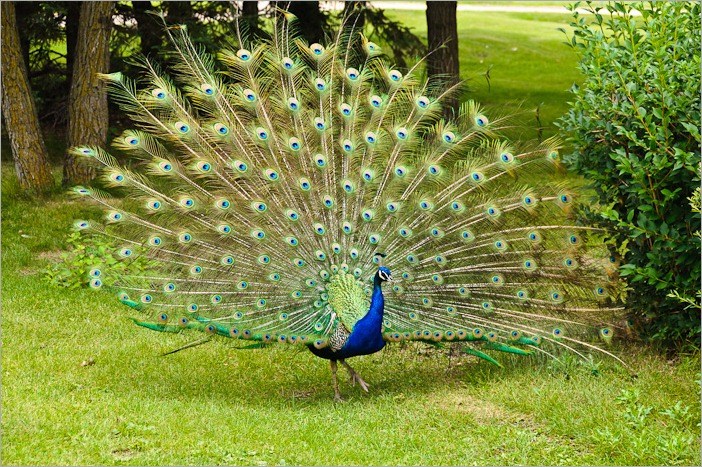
point(249, 95)
point(320, 84)
point(317, 49)
point(481, 120)
point(243, 54)
point(395, 75)
point(288, 64)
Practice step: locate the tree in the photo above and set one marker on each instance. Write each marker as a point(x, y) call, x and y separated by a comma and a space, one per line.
point(148, 27)
point(310, 19)
point(353, 11)
point(28, 148)
point(87, 110)
point(72, 24)
point(249, 13)
point(442, 37)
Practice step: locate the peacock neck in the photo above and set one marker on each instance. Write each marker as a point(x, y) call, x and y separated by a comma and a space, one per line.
point(377, 306)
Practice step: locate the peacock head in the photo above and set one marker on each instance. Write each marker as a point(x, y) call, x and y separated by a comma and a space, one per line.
point(383, 275)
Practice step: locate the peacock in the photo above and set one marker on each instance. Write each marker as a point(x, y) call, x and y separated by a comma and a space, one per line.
point(314, 195)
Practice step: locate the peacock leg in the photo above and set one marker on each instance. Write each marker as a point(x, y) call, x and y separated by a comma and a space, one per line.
point(337, 396)
point(355, 377)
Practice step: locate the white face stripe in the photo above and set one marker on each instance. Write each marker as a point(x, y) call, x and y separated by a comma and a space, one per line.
point(383, 275)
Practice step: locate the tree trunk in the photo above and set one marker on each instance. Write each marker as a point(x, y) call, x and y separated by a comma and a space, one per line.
point(442, 35)
point(87, 108)
point(72, 23)
point(28, 148)
point(353, 14)
point(148, 26)
point(23, 11)
point(309, 19)
point(179, 12)
point(249, 13)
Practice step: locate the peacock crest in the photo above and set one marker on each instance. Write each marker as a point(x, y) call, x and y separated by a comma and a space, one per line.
point(261, 185)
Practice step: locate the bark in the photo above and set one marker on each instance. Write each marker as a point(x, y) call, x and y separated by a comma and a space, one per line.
point(72, 22)
point(309, 19)
point(249, 13)
point(87, 109)
point(23, 12)
point(148, 26)
point(442, 35)
point(20, 114)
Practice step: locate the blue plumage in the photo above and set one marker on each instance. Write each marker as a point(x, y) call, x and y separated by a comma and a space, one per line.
point(365, 338)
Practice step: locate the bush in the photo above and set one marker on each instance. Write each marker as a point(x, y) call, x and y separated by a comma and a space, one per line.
point(634, 126)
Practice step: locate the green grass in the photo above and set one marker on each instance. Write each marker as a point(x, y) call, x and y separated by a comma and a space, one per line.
point(530, 65)
point(82, 385)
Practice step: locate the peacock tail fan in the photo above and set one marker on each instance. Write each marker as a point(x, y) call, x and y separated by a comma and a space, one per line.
point(262, 183)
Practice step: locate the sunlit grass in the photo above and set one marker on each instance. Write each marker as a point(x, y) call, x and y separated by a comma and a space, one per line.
point(83, 385)
point(529, 65)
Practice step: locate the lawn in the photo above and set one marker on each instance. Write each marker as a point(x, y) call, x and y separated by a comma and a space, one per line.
point(82, 385)
point(529, 65)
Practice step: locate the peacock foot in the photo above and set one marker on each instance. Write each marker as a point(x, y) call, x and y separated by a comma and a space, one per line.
point(355, 377)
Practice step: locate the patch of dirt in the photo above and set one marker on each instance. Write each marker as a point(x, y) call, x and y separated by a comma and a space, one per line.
point(468, 404)
point(28, 272)
point(485, 412)
point(123, 453)
point(52, 255)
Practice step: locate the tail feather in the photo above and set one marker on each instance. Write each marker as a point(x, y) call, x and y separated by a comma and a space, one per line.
point(263, 175)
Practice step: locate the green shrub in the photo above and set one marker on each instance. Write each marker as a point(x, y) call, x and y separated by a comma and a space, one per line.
point(634, 126)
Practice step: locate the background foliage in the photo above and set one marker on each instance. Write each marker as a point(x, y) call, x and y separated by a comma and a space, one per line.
point(634, 126)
